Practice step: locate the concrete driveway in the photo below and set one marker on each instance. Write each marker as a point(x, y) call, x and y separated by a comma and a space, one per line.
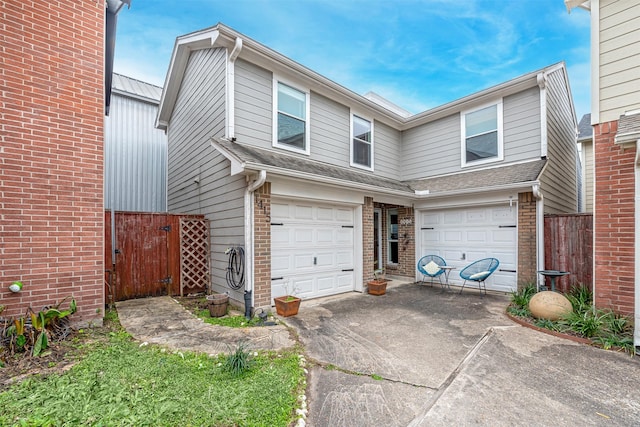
point(418, 356)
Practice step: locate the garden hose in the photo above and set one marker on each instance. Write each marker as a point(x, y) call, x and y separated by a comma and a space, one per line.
point(235, 268)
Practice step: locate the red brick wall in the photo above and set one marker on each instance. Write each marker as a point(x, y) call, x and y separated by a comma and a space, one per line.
point(367, 240)
point(262, 246)
point(51, 154)
point(614, 221)
point(527, 253)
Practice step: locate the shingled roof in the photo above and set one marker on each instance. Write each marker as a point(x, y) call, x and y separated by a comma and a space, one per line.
point(258, 158)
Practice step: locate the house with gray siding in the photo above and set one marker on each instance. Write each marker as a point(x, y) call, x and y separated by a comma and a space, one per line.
point(321, 186)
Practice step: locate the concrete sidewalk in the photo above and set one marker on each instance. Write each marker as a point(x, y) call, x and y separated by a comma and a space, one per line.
point(418, 356)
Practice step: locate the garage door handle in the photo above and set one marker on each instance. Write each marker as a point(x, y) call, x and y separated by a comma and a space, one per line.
point(277, 278)
point(507, 271)
point(426, 228)
point(507, 226)
point(277, 223)
point(347, 226)
point(348, 269)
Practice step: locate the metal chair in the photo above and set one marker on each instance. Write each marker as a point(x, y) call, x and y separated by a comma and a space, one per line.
point(479, 271)
point(429, 266)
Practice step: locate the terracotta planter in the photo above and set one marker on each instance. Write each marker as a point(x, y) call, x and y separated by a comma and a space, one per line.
point(377, 287)
point(287, 305)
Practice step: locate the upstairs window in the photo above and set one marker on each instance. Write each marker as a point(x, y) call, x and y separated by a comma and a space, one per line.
point(482, 135)
point(291, 123)
point(361, 142)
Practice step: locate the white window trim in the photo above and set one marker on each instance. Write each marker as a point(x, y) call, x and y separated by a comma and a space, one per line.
point(307, 136)
point(351, 162)
point(463, 136)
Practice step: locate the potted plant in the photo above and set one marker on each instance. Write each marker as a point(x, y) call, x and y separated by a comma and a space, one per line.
point(377, 286)
point(288, 304)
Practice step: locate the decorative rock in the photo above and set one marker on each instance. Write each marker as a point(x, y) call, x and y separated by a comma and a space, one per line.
point(549, 305)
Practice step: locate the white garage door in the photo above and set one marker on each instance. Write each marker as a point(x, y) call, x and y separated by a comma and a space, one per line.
point(462, 236)
point(312, 248)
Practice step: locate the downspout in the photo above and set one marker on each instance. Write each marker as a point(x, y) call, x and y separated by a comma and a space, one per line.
point(248, 240)
point(539, 230)
point(636, 331)
point(542, 84)
point(231, 88)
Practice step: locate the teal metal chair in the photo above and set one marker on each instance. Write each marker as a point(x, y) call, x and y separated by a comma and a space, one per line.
point(479, 271)
point(429, 266)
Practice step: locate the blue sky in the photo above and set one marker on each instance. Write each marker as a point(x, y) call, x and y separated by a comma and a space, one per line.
point(416, 53)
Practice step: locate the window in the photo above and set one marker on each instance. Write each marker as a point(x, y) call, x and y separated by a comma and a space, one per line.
point(392, 236)
point(482, 135)
point(291, 124)
point(361, 142)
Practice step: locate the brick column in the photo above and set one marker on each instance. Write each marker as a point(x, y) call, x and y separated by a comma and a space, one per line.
point(406, 241)
point(262, 246)
point(527, 239)
point(614, 221)
point(367, 240)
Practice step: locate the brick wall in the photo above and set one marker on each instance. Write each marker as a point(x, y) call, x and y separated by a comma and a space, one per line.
point(367, 240)
point(262, 246)
point(527, 253)
point(51, 155)
point(613, 221)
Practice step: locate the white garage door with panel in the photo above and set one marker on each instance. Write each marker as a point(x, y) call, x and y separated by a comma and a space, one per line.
point(462, 236)
point(312, 248)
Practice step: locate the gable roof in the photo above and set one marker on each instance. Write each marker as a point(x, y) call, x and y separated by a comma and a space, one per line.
point(221, 36)
point(585, 130)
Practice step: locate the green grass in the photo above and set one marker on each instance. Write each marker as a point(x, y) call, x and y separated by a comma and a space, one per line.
point(121, 383)
point(229, 321)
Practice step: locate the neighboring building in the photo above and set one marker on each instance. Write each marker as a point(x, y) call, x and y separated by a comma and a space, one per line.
point(135, 176)
point(321, 186)
point(585, 141)
point(55, 71)
point(615, 116)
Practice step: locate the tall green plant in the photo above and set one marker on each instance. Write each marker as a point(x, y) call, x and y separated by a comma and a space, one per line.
point(580, 297)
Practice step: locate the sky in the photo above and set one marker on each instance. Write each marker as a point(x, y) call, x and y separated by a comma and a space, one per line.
point(418, 54)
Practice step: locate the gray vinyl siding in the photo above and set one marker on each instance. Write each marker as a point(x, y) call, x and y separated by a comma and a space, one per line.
point(253, 104)
point(435, 148)
point(619, 59)
point(330, 131)
point(521, 125)
point(135, 157)
point(199, 114)
point(587, 153)
point(431, 149)
point(387, 149)
point(559, 182)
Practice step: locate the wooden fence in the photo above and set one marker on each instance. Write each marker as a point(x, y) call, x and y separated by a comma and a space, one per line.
point(569, 247)
point(150, 250)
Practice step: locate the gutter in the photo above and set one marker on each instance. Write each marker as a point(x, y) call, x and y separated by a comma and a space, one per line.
point(537, 193)
point(230, 89)
point(542, 84)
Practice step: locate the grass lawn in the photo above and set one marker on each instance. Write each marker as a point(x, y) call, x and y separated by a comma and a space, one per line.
point(118, 382)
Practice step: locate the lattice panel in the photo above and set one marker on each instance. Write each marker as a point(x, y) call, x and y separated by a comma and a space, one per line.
point(194, 255)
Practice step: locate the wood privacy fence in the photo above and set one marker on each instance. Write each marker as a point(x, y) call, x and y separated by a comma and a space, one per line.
point(156, 254)
point(568, 246)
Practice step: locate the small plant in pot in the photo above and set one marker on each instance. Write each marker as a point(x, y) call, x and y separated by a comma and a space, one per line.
point(288, 304)
point(377, 286)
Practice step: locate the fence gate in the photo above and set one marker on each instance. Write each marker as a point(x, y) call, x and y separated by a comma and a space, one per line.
point(151, 251)
point(194, 255)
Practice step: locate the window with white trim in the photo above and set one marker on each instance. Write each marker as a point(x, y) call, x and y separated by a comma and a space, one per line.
point(291, 118)
point(361, 142)
point(482, 135)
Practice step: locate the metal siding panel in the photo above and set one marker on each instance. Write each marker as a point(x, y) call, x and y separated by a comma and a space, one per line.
point(135, 157)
